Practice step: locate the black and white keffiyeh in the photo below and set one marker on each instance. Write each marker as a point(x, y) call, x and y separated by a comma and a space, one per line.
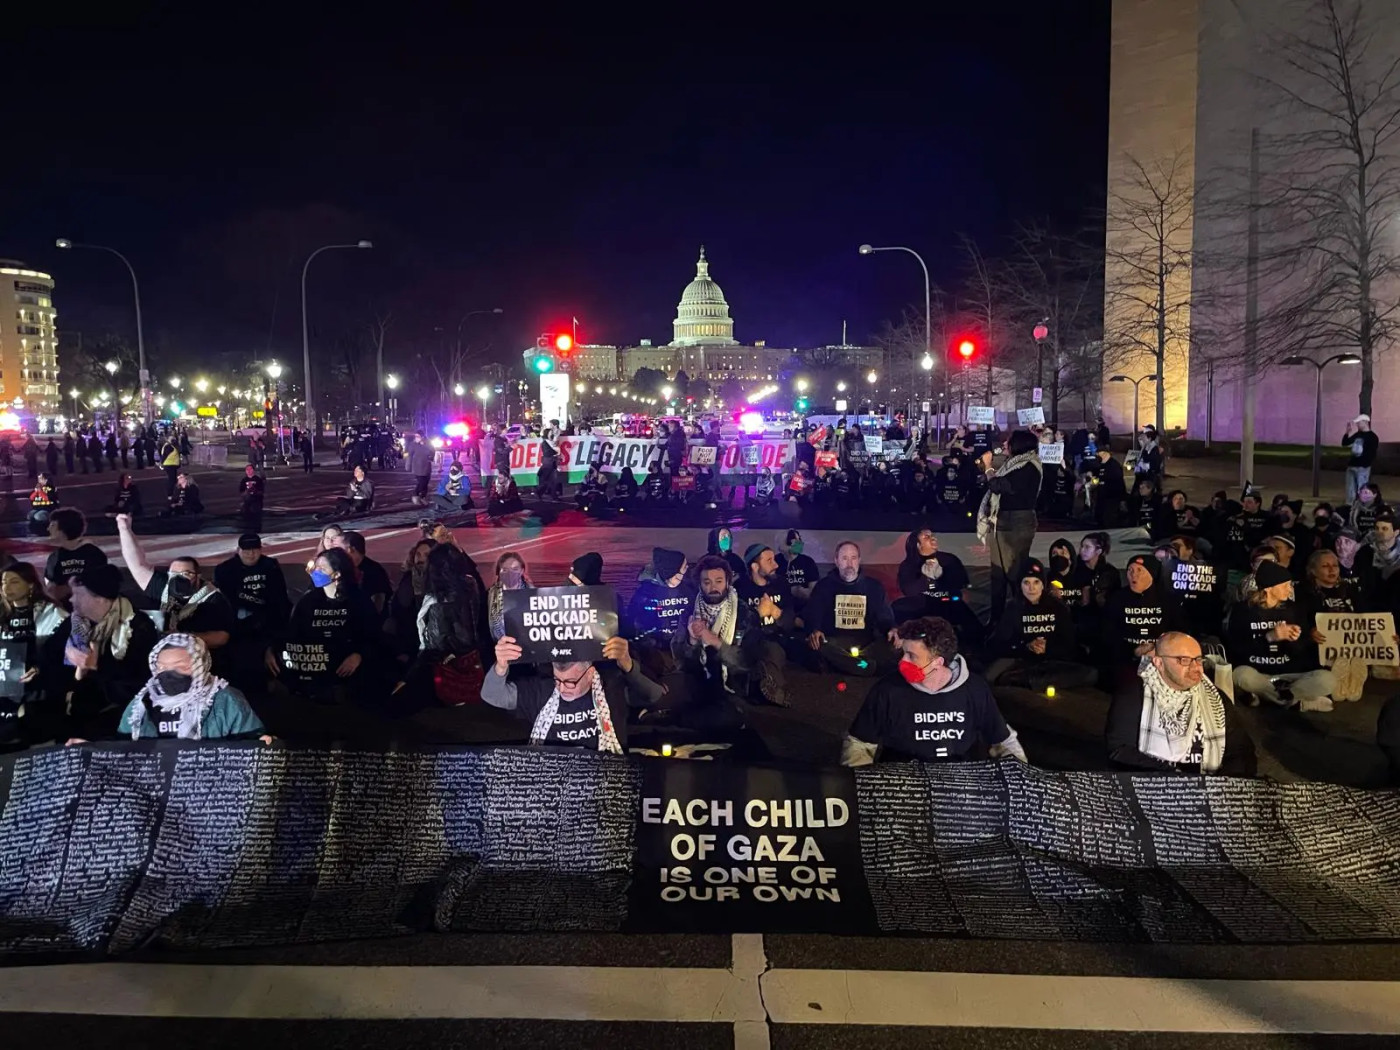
point(722, 618)
point(1172, 719)
point(990, 506)
point(191, 705)
point(607, 735)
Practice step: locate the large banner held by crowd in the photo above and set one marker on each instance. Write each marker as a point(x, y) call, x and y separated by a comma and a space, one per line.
point(106, 849)
point(612, 454)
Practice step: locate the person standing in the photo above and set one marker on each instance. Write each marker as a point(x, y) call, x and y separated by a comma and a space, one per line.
point(308, 453)
point(125, 445)
point(95, 448)
point(51, 458)
point(1006, 518)
point(170, 463)
point(1364, 445)
point(31, 457)
point(68, 451)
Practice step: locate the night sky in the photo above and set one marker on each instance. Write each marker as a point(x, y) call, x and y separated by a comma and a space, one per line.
point(553, 170)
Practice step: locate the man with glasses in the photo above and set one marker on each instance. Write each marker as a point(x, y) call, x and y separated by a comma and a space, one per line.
point(187, 603)
point(1172, 719)
point(581, 705)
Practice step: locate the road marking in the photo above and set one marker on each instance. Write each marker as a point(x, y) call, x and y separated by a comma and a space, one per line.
point(738, 996)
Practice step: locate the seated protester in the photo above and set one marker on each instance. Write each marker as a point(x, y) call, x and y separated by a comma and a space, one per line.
point(42, 501)
point(96, 660)
point(72, 555)
point(1264, 552)
point(1284, 548)
point(448, 668)
point(27, 619)
point(797, 568)
point(802, 487)
point(1196, 587)
point(454, 491)
point(592, 495)
point(256, 589)
point(359, 494)
point(935, 583)
point(1169, 717)
point(656, 488)
point(1062, 570)
point(719, 543)
point(127, 498)
point(1144, 504)
point(662, 601)
point(512, 574)
point(626, 488)
point(1322, 536)
point(372, 577)
point(1361, 515)
point(503, 497)
point(1270, 650)
point(1134, 618)
point(1034, 641)
point(1385, 551)
point(182, 700)
point(1287, 521)
point(408, 599)
point(252, 488)
point(185, 501)
point(1354, 564)
point(1246, 530)
point(1175, 517)
point(1324, 591)
point(932, 709)
point(765, 490)
point(712, 650)
point(1096, 580)
point(849, 618)
point(587, 570)
point(331, 636)
point(765, 592)
point(581, 705)
point(186, 602)
point(1215, 518)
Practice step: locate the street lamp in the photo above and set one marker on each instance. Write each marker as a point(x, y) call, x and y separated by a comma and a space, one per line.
point(867, 249)
point(926, 363)
point(73, 393)
point(802, 386)
point(1136, 384)
point(871, 377)
point(274, 370)
point(392, 382)
point(841, 387)
point(111, 367)
point(202, 385)
point(1340, 359)
point(306, 332)
point(175, 382)
point(666, 392)
point(144, 376)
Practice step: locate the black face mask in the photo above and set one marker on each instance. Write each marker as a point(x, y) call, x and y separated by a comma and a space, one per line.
point(181, 588)
point(1059, 564)
point(173, 683)
point(1320, 524)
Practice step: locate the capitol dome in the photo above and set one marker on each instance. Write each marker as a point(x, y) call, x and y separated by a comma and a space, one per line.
point(702, 318)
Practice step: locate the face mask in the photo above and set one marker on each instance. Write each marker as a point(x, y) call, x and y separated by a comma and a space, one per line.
point(795, 547)
point(173, 683)
point(1319, 523)
point(181, 587)
point(724, 543)
point(1059, 564)
point(319, 578)
point(911, 672)
point(511, 577)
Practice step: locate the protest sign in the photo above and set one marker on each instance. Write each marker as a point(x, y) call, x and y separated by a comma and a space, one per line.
point(751, 455)
point(1052, 452)
point(874, 444)
point(1368, 637)
point(703, 455)
point(12, 657)
point(560, 623)
point(827, 460)
point(1030, 416)
point(982, 414)
point(683, 483)
point(306, 658)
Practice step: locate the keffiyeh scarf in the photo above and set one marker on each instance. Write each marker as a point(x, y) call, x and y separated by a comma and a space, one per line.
point(607, 736)
point(191, 705)
point(721, 618)
point(176, 614)
point(113, 631)
point(1170, 718)
point(991, 503)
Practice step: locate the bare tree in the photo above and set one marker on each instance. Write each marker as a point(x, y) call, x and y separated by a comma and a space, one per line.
point(1147, 270)
point(984, 311)
point(1331, 189)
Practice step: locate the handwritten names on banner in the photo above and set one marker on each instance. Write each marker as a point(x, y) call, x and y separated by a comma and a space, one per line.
point(1368, 637)
point(560, 623)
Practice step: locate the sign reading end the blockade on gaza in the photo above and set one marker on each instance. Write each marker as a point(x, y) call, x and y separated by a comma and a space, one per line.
point(748, 848)
point(1368, 637)
point(560, 623)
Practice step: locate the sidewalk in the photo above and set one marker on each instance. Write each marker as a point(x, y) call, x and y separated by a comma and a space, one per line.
point(1202, 478)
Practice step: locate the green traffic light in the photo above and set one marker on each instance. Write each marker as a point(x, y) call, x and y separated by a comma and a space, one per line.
point(543, 364)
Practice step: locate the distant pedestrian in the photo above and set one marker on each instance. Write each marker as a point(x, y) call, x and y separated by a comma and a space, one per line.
point(308, 454)
point(31, 457)
point(51, 458)
point(111, 449)
point(1364, 445)
point(95, 452)
point(170, 463)
point(125, 445)
point(139, 447)
point(68, 451)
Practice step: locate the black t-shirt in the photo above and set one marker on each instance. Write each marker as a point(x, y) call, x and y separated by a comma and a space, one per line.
point(374, 580)
point(324, 631)
point(906, 723)
point(258, 593)
point(751, 594)
point(1131, 619)
point(63, 565)
point(799, 571)
point(1249, 644)
point(214, 613)
point(575, 724)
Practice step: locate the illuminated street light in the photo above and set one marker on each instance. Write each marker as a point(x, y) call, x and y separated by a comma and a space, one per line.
point(222, 390)
point(392, 382)
point(666, 392)
point(871, 377)
point(841, 387)
point(459, 390)
point(483, 393)
point(111, 367)
point(175, 382)
point(926, 363)
point(802, 386)
point(202, 385)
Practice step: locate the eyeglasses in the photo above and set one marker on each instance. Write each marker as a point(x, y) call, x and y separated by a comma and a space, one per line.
point(569, 683)
point(1184, 661)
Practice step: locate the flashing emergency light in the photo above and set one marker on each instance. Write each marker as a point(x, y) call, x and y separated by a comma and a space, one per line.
point(751, 422)
point(458, 430)
point(9, 421)
point(437, 443)
point(966, 349)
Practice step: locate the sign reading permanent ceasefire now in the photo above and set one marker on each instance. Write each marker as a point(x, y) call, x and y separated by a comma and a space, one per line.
point(560, 623)
point(612, 454)
point(748, 848)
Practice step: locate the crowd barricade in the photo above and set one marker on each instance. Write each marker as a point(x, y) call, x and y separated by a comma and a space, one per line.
point(107, 848)
point(209, 455)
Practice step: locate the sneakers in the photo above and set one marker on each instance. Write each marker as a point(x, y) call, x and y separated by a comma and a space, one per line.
point(1319, 703)
point(772, 689)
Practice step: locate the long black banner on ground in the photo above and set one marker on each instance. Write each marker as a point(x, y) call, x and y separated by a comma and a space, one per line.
point(107, 849)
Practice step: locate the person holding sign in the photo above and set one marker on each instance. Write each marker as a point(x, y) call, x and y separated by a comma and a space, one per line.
point(182, 700)
point(333, 630)
point(582, 705)
point(27, 621)
point(1269, 647)
point(850, 618)
point(932, 710)
point(1170, 718)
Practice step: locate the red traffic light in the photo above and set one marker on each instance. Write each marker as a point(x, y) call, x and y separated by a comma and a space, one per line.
point(1040, 331)
point(564, 342)
point(966, 349)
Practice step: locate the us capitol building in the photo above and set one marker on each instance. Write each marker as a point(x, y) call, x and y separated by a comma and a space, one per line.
point(703, 344)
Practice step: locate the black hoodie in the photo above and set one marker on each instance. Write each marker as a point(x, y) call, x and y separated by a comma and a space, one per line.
point(1129, 618)
point(949, 585)
point(1063, 581)
point(1022, 623)
point(736, 563)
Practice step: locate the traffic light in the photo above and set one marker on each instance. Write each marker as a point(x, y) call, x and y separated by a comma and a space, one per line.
point(801, 404)
point(542, 360)
point(564, 343)
point(966, 349)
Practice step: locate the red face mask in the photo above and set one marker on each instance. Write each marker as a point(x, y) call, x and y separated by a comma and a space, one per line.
point(911, 672)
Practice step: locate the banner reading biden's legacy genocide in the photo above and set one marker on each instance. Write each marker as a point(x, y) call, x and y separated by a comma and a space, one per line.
point(560, 623)
point(612, 455)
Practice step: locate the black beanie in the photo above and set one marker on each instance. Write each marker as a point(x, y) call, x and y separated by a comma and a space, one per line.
point(666, 562)
point(105, 581)
point(1033, 567)
point(1271, 574)
point(588, 569)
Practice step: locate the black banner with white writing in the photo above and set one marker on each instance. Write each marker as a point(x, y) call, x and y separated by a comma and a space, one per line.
point(181, 845)
point(560, 623)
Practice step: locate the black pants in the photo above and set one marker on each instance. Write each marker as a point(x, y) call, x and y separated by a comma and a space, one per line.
point(963, 620)
point(170, 475)
point(1038, 674)
point(1010, 545)
point(308, 462)
point(420, 486)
